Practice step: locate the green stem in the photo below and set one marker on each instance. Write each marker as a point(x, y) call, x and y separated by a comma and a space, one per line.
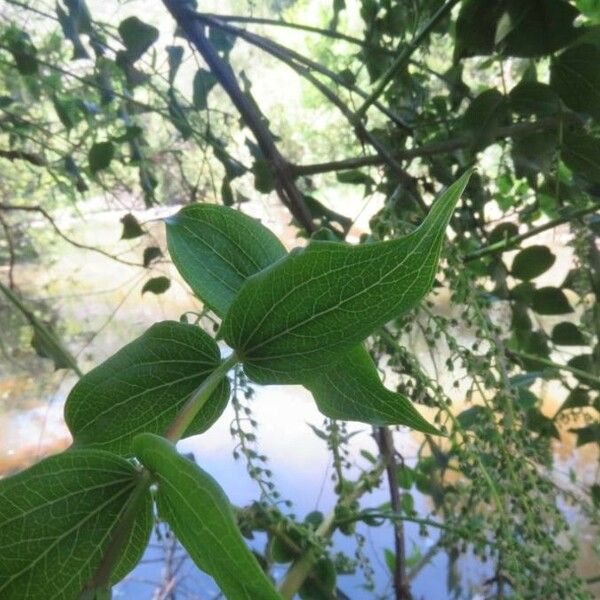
point(198, 399)
point(302, 567)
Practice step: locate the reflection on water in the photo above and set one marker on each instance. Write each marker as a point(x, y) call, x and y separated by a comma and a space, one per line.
point(100, 308)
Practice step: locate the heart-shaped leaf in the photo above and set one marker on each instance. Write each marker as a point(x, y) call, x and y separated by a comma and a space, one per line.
point(143, 386)
point(300, 314)
point(199, 513)
point(57, 519)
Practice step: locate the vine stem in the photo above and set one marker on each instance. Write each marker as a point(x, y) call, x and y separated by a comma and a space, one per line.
point(198, 399)
point(301, 568)
point(101, 577)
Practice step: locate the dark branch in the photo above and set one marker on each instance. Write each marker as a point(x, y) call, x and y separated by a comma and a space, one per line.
point(34, 159)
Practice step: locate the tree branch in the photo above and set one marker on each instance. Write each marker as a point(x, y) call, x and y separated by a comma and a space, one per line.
point(385, 442)
point(404, 56)
point(57, 229)
point(30, 157)
point(287, 55)
point(288, 192)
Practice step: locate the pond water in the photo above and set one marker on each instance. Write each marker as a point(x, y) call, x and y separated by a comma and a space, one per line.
point(99, 308)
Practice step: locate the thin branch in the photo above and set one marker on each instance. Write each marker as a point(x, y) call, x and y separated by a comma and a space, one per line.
point(512, 242)
point(288, 192)
point(426, 150)
point(286, 54)
point(30, 157)
point(11, 252)
point(300, 27)
point(65, 237)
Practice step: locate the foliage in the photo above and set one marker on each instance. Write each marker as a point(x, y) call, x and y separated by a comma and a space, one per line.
point(419, 94)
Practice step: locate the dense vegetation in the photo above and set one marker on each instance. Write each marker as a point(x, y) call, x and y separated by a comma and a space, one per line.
point(473, 126)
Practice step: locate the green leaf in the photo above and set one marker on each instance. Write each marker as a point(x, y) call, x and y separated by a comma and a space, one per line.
point(137, 37)
point(531, 262)
point(471, 416)
point(575, 75)
point(204, 81)
point(540, 423)
point(483, 116)
point(581, 153)
point(23, 51)
point(320, 584)
point(151, 253)
point(143, 386)
point(199, 513)
point(131, 227)
point(577, 398)
point(100, 156)
point(550, 301)
point(57, 519)
point(587, 435)
point(531, 98)
point(216, 248)
point(531, 28)
point(567, 334)
point(70, 27)
point(476, 27)
point(303, 311)
point(503, 232)
point(351, 390)
point(175, 54)
point(157, 285)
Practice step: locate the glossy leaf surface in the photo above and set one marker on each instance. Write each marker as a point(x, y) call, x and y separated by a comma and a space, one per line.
point(199, 513)
point(143, 386)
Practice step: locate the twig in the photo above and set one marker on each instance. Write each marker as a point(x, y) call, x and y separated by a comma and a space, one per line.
point(385, 441)
point(404, 55)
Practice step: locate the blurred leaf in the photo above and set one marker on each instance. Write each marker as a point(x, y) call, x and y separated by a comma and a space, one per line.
point(587, 435)
point(567, 334)
point(151, 253)
point(575, 75)
point(483, 116)
point(204, 81)
point(131, 227)
point(581, 153)
point(550, 301)
point(531, 262)
point(137, 37)
point(100, 156)
point(531, 98)
point(157, 285)
point(175, 54)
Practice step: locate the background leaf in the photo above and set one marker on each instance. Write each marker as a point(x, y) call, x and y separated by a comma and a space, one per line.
point(137, 37)
point(199, 513)
point(142, 387)
point(56, 520)
point(157, 285)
